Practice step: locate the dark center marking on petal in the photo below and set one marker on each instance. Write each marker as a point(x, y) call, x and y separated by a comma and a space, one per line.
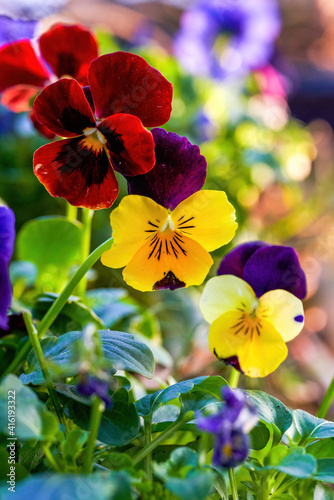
point(74, 121)
point(299, 318)
point(91, 161)
point(67, 64)
point(115, 142)
point(151, 224)
point(169, 281)
point(233, 361)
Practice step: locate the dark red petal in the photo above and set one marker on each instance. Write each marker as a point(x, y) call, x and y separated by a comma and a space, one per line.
point(69, 50)
point(130, 145)
point(63, 108)
point(125, 83)
point(42, 129)
point(78, 170)
point(19, 65)
point(18, 98)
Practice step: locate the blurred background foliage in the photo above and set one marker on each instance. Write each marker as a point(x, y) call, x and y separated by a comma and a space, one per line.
point(275, 169)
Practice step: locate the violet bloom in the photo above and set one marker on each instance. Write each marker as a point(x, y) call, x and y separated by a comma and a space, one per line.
point(225, 37)
point(266, 267)
point(15, 29)
point(93, 385)
point(230, 427)
point(7, 238)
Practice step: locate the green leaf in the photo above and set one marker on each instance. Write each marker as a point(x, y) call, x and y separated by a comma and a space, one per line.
point(53, 244)
point(293, 462)
point(119, 425)
point(111, 486)
point(312, 427)
point(196, 485)
point(110, 304)
point(260, 436)
point(298, 465)
point(73, 316)
point(323, 448)
point(325, 470)
point(116, 461)
point(209, 388)
point(30, 413)
point(272, 411)
point(322, 492)
point(121, 351)
point(148, 404)
point(73, 444)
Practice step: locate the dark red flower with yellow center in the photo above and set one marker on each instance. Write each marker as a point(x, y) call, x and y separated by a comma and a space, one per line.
point(63, 50)
point(126, 94)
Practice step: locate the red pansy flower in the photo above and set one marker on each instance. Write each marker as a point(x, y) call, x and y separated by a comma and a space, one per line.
point(63, 50)
point(126, 94)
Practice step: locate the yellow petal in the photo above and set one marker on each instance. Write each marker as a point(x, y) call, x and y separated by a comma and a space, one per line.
point(226, 293)
point(188, 267)
point(131, 222)
point(262, 354)
point(258, 354)
point(283, 310)
point(207, 217)
point(223, 342)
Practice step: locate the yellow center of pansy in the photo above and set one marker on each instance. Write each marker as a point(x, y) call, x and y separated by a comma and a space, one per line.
point(164, 248)
point(167, 237)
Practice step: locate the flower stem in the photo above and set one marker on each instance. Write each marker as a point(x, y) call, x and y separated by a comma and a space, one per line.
point(87, 217)
point(234, 378)
point(59, 303)
point(71, 211)
point(233, 484)
point(33, 336)
point(326, 402)
point(148, 440)
point(162, 437)
point(95, 420)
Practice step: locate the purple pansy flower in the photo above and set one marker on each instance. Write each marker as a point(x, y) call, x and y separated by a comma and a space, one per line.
point(93, 385)
point(7, 238)
point(250, 29)
point(266, 267)
point(179, 171)
point(15, 29)
point(230, 427)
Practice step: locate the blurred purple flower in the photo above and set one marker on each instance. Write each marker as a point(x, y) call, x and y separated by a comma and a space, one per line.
point(15, 29)
point(266, 267)
point(93, 385)
point(230, 427)
point(7, 238)
point(219, 38)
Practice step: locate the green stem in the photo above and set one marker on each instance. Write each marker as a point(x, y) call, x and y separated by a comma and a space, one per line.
point(71, 211)
point(327, 401)
point(95, 420)
point(33, 336)
point(233, 484)
point(50, 458)
point(234, 378)
point(59, 303)
point(87, 217)
point(162, 437)
point(148, 440)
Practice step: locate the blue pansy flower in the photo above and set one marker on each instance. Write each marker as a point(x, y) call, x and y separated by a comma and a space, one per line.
point(230, 427)
point(7, 238)
point(90, 385)
point(224, 37)
point(12, 30)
